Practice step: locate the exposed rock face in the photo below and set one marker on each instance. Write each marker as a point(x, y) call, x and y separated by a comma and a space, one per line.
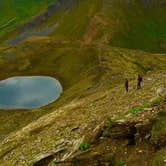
point(143, 130)
point(120, 131)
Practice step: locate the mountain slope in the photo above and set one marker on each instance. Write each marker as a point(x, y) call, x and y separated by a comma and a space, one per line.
point(16, 12)
point(78, 68)
point(140, 25)
point(90, 46)
point(58, 135)
point(120, 23)
point(136, 24)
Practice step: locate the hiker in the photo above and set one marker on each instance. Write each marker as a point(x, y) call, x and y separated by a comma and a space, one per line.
point(127, 85)
point(139, 81)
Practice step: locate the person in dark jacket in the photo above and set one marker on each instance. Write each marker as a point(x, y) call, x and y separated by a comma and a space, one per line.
point(127, 85)
point(139, 81)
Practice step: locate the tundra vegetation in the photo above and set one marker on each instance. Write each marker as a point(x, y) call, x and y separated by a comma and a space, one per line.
point(93, 45)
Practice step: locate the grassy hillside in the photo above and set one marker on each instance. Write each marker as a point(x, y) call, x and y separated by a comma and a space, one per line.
point(128, 24)
point(74, 24)
point(137, 24)
point(16, 12)
point(92, 78)
point(94, 46)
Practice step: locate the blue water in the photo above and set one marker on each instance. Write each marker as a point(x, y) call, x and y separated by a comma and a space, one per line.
point(28, 92)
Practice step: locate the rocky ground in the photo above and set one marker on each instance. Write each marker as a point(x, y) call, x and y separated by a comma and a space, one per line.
point(101, 124)
point(93, 45)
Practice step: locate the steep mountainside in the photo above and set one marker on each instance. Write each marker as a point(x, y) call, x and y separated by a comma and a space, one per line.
point(90, 46)
point(41, 24)
point(16, 12)
point(136, 24)
point(139, 24)
point(92, 77)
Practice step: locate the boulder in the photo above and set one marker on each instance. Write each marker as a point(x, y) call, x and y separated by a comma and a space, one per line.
point(120, 130)
point(161, 91)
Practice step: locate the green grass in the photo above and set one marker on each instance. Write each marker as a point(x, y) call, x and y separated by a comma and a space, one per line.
point(133, 27)
point(19, 11)
point(126, 26)
point(84, 146)
point(156, 101)
point(74, 24)
point(133, 110)
point(120, 163)
point(107, 124)
point(137, 109)
point(139, 28)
